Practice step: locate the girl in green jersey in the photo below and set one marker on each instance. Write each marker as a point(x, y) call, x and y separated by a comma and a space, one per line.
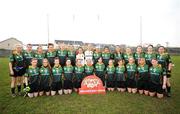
point(68, 77)
point(100, 70)
point(131, 76)
point(120, 76)
point(32, 78)
point(57, 72)
point(128, 53)
point(78, 75)
point(45, 73)
point(110, 72)
point(17, 69)
point(39, 55)
point(143, 77)
point(157, 79)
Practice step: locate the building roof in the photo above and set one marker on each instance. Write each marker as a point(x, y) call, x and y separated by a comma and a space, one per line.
point(11, 39)
point(68, 42)
point(39, 44)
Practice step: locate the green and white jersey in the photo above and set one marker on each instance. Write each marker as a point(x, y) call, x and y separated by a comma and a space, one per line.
point(131, 70)
point(17, 60)
point(110, 73)
point(27, 57)
point(143, 72)
point(32, 74)
point(99, 67)
point(40, 58)
point(96, 56)
point(62, 54)
point(71, 55)
point(57, 73)
point(137, 56)
point(110, 70)
point(149, 57)
point(89, 70)
point(68, 72)
point(156, 74)
point(164, 59)
point(118, 56)
point(45, 74)
point(79, 72)
point(127, 56)
point(106, 57)
point(120, 71)
point(50, 56)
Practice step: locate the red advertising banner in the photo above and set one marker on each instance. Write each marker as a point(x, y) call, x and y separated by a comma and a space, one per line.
point(92, 85)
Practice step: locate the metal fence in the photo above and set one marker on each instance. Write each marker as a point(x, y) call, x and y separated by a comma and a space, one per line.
point(4, 53)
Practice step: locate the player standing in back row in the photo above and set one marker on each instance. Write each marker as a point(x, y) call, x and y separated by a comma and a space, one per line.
point(17, 69)
point(62, 54)
point(51, 54)
point(106, 55)
point(165, 60)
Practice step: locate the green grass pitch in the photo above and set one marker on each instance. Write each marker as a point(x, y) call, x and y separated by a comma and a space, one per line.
point(110, 103)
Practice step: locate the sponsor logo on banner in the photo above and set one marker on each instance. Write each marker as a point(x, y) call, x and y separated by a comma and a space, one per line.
point(92, 85)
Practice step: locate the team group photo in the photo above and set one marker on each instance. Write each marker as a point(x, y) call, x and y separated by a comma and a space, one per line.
point(89, 57)
point(62, 69)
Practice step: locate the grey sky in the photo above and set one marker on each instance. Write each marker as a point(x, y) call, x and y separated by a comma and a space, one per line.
point(103, 21)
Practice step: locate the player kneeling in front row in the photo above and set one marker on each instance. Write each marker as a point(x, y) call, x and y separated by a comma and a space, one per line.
point(57, 72)
point(100, 70)
point(143, 77)
point(110, 71)
point(120, 77)
point(68, 76)
point(157, 79)
point(131, 76)
point(78, 75)
point(89, 68)
point(45, 73)
point(32, 78)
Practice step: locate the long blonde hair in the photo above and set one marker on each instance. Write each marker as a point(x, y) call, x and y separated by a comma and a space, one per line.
point(15, 50)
